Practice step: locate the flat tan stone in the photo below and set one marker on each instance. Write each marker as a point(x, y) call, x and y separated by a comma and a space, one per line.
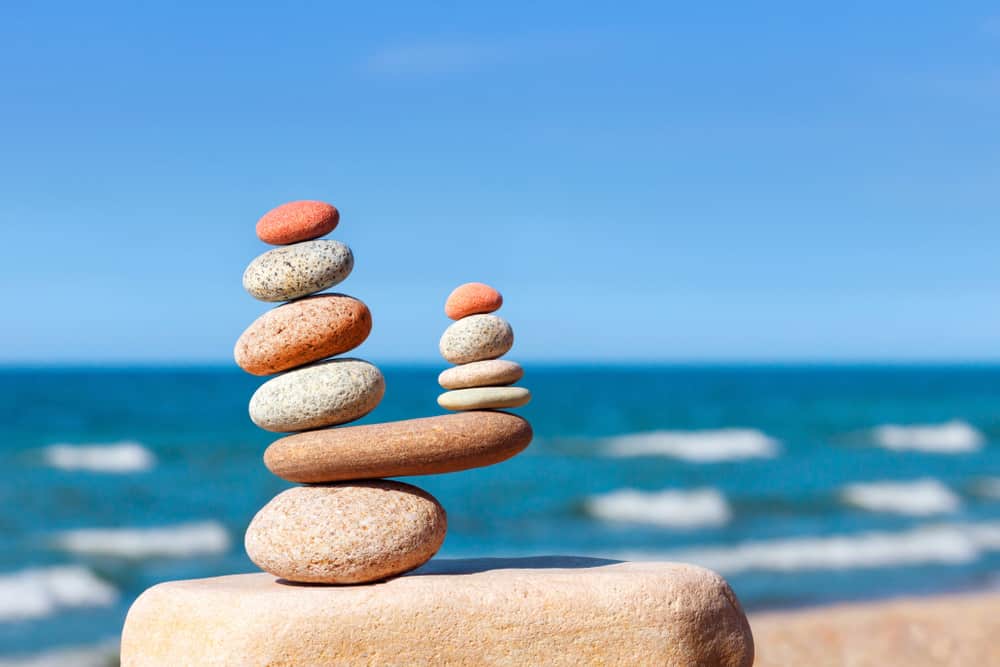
point(542, 611)
point(428, 446)
point(484, 398)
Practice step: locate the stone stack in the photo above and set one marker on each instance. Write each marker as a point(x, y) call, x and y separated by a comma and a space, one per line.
point(475, 342)
point(329, 533)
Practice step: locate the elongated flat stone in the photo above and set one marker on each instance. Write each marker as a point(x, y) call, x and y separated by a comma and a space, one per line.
point(538, 611)
point(490, 373)
point(426, 446)
point(484, 398)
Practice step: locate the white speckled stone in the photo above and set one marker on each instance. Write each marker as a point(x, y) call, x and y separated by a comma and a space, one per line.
point(326, 393)
point(489, 373)
point(475, 338)
point(484, 398)
point(298, 270)
point(347, 533)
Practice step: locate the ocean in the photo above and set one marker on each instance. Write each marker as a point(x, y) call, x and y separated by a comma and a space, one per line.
point(803, 485)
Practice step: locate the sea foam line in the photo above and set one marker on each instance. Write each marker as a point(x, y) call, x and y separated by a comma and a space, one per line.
point(922, 497)
point(707, 446)
point(121, 457)
point(180, 541)
point(672, 509)
point(41, 592)
point(942, 544)
point(953, 437)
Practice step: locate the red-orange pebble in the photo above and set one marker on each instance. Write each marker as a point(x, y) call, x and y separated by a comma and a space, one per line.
point(472, 299)
point(297, 221)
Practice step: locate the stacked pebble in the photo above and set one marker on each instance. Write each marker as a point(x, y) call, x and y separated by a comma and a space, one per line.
point(349, 532)
point(475, 342)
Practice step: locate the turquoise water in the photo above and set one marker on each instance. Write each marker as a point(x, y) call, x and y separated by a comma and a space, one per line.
point(802, 485)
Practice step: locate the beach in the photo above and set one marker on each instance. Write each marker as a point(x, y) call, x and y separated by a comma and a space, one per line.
point(953, 630)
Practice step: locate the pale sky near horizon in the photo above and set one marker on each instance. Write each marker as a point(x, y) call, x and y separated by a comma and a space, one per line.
point(643, 181)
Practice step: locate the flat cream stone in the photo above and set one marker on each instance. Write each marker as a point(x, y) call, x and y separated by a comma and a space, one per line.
point(537, 611)
point(484, 398)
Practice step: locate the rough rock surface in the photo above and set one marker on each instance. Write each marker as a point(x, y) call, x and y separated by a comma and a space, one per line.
point(298, 270)
point(484, 398)
point(297, 221)
point(489, 373)
point(326, 393)
point(301, 332)
point(540, 611)
point(476, 338)
point(348, 533)
point(428, 446)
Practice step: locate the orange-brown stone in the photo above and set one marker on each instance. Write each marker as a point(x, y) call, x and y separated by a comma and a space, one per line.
point(303, 331)
point(427, 446)
point(297, 221)
point(472, 299)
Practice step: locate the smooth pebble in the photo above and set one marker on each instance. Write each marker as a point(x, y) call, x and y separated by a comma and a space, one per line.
point(298, 270)
point(297, 221)
point(476, 338)
point(472, 299)
point(489, 373)
point(484, 398)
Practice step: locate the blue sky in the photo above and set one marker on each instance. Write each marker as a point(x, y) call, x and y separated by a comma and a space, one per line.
point(642, 181)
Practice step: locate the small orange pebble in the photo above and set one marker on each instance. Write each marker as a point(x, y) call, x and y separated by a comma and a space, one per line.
point(472, 299)
point(297, 221)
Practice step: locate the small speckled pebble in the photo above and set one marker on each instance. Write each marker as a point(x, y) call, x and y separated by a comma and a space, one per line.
point(298, 270)
point(297, 221)
point(327, 393)
point(490, 373)
point(484, 398)
point(475, 338)
point(348, 533)
point(303, 331)
point(471, 299)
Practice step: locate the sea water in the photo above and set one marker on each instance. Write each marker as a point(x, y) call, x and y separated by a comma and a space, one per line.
point(802, 485)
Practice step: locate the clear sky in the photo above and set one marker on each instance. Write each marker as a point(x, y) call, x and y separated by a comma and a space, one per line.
point(642, 181)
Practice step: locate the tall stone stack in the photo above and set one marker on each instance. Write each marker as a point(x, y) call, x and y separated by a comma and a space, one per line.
point(346, 533)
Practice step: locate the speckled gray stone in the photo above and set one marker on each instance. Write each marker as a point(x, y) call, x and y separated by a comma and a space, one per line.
point(326, 393)
point(298, 270)
point(489, 373)
point(484, 398)
point(475, 338)
point(347, 533)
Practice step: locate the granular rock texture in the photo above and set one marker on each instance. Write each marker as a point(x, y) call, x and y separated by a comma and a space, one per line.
point(297, 270)
point(301, 332)
point(489, 373)
point(297, 221)
point(346, 533)
point(484, 398)
point(470, 299)
point(475, 338)
point(544, 611)
point(326, 393)
point(427, 446)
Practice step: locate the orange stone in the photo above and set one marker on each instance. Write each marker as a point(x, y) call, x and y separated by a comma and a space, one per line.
point(297, 221)
point(472, 299)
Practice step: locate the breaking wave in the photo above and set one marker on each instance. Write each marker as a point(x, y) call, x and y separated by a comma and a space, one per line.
point(922, 497)
point(119, 457)
point(949, 438)
point(180, 541)
point(673, 509)
point(41, 592)
point(708, 446)
point(943, 544)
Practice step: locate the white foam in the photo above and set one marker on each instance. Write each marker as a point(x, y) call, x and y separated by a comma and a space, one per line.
point(180, 541)
point(922, 497)
point(672, 509)
point(101, 654)
point(942, 544)
point(951, 437)
point(41, 592)
point(709, 446)
point(121, 457)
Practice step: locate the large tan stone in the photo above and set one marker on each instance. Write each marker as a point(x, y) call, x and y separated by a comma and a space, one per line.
point(425, 446)
point(543, 611)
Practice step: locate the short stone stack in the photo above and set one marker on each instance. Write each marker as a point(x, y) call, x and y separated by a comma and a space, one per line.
point(329, 533)
point(476, 341)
